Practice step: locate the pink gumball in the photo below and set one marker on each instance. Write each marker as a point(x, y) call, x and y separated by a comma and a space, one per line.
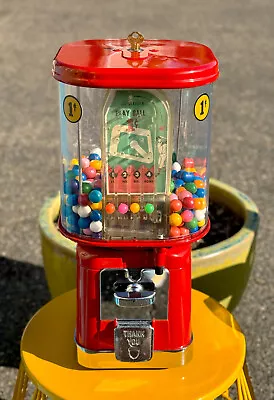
point(187, 216)
point(90, 172)
point(123, 208)
point(173, 196)
point(87, 232)
point(84, 162)
point(183, 194)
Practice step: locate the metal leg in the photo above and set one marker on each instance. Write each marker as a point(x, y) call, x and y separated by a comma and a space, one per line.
point(226, 396)
point(21, 384)
point(244, 387)
point(38, 395)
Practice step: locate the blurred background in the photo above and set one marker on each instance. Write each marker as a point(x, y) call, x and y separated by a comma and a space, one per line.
point(240, 34)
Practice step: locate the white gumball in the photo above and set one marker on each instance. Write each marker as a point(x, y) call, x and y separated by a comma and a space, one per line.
point(200, 214)
point(84, 211)
point(95, 226)
point(176, 166)
point(97, 150)
point(75, 209)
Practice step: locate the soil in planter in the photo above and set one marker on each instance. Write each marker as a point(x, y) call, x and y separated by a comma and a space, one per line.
point(224, 224)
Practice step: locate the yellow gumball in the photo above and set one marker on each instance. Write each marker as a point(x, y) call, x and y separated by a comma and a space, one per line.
point(201, 223)
point(96, 206)
point(175, 219)
point(74, 161)
point(134, 208)
point(97, 164)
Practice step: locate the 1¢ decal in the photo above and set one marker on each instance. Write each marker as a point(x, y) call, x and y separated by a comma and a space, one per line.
point(72, 109)
point(201, 107)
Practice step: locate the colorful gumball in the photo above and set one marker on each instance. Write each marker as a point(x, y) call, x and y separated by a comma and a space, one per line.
point(178, 183)
point(75, 209)
point(90, 172)
point(84, 211)
point(188, 163)
point(172, 185)
point(200, 214)
point(176, 166)
point(180, 189)
point(123, 208)
point(83, 223)
point(70, 174)
point(95, 215)
point(110, 208)
point(71, 200)
point(191, 187)
point(174, 231)
point(149, 208)
point(134, 208)
point(199, 183)
point(201, 223)
point(194, 230)
point(86, 187)
point(176, 205)
point(187, 216)
point(198, 203)
point(84, 162)
point(96, 150)
point(94, 156)
point(188, 176)
point(83, 199)
point(96, 226)
point(97, 164)
point(173, 196)
point(183, 194)
point(95, 196)
point(188, 202)
point(192, 224)
point(175, 219)
point(74, 161)
point(184, 231)
point(87, 232)
point(96, 206)
point(73, 219)
point(200, 192)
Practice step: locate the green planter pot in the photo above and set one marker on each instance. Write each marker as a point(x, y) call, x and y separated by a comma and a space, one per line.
point(221, 270)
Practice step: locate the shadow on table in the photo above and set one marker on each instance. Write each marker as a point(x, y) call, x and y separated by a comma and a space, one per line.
point(23, 290)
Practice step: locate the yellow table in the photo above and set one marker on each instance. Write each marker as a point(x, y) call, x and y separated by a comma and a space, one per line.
point(48, 355)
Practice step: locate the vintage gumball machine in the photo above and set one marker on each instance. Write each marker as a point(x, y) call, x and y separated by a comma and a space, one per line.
point(135, 144)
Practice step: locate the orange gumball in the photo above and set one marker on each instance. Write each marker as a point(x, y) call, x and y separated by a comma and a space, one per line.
point(199, 184)
point(97, 164)
point(184, 231)
point(199, 203)
point(110, 208)
point(174, 231)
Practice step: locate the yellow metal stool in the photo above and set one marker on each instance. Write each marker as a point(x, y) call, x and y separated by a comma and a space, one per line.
point(48, 360)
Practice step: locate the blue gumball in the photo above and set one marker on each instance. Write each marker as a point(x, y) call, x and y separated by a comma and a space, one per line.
point(96, 215)
point(200, 192)
point(178, 183)
point(84, 223)
point(179, 174)
point(188, 176)
point(174, 173)
point(76, 169)
point(74, 184)
point(193, 230)
point(67, 187)
point(94, 156)
point(95, 196)
point(73, 219)
point(72, 200)
point(84, 177)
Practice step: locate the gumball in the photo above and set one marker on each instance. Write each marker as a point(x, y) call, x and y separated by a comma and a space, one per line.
point(179, 189)
point(176, 205)
point(74, 185)
point(97, 164)
point(96, 150)
point(203, 203)
point(95, 226)
point(179, 174)
point(178, 183)
point(191, 187)
point(188, 176)
point(200, 192)
point(194, 230)
point(183, 194)
point(71, 200)
point(175, 219)
point(83, 223)
point(70, 174)
point(199, 183)
point(174, 231)
point(192, 224)
point(149, 208)
point(184, 231)
point(83, 199)
point(172, 185)
point(188, 202)
point(176, 166)
point(84, 211)
point(198, 204)
point(173, 173)
point(201, 223)
point(97, 183)
point(84, 162)
point(96, 206)
point(134, 208)
point(123, 208)
point(94, 156)
point(86, 187)
point(110, 208)
point(74, 161)
point(67, 187)
point(90, 172)
point(87, 232)
point(187, 216)
point(173, 196)
point(96, 215)
point(76, 169)
point(197, 177)
point(188, 163)
point(200, 214)
point(95, 196)
point(75, 209)
point(97, 235)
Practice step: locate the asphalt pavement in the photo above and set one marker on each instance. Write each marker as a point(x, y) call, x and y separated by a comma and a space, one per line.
point(241, 35)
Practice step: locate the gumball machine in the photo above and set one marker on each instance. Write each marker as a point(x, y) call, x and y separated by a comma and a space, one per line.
point(135, 143)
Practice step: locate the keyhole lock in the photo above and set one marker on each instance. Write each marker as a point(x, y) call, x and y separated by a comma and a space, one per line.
point(135, 39)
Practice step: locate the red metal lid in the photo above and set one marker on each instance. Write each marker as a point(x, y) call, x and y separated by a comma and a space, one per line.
point(112, 63)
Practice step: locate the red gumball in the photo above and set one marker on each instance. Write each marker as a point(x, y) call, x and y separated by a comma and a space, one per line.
point(174, 231)
point(176, 205)
point(83, 199)
point(90, 172)
point(188, 202)
point(184, 231)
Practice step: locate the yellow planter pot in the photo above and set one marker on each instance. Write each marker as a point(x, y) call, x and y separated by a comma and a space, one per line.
point(221, 270)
